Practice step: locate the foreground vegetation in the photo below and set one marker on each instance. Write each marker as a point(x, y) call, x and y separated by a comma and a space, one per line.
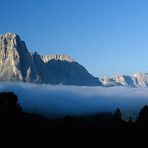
point(25, 130)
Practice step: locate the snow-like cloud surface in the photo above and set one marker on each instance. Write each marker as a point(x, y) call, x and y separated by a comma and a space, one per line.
point(55, 101)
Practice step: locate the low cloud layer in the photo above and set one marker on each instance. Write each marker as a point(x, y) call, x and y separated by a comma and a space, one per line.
point(57, 101)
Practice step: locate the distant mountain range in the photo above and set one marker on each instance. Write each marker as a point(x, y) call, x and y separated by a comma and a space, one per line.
point(136, 80)
point(18, 64)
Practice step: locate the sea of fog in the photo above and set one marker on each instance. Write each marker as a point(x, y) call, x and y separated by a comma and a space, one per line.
point(57, 101)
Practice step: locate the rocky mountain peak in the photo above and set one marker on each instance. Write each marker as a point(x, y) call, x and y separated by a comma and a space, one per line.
point(17, 64)
point(9, 35)
point(140, 74)
point(61, 57)
point(9, 39)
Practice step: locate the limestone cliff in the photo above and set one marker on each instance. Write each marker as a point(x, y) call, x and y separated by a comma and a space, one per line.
point(18, 64)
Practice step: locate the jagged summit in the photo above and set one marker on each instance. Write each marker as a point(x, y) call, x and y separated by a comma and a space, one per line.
point(18, 64)
point(140, 74)
point(61, 57)
point(9, 34)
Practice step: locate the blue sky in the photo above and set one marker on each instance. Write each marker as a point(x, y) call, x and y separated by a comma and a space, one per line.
point(108, 37)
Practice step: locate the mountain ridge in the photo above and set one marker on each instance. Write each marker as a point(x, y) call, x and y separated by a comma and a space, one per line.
point(138, 79)
point(18, 64)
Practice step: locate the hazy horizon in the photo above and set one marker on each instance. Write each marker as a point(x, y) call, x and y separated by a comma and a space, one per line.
point(61, 100)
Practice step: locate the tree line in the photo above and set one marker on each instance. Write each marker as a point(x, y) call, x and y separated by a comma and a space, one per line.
point(21, 129)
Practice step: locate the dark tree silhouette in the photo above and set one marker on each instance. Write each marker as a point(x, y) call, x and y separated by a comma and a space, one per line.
point(130, 120)
point(143, 115)
point(9, 103)
point(117, 114)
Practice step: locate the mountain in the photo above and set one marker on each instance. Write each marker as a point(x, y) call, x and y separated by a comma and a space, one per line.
point(136, 80)
point(18, 64)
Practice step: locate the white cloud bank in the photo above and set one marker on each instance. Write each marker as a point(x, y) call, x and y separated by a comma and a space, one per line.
point(56, 101)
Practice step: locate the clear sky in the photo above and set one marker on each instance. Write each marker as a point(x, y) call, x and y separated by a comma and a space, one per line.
point(108, 37)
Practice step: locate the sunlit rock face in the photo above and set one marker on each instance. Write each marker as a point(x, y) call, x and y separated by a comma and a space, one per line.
point(9, 57)
point(18, 64)
point(141, 79)
point(56, 57)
